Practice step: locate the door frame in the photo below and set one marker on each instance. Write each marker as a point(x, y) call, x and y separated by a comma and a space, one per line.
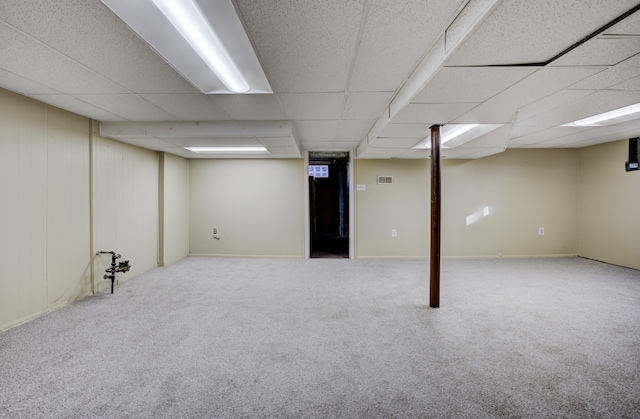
point(307, 206)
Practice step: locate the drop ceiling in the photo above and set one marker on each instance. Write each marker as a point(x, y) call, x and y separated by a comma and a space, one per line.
point(365, 75)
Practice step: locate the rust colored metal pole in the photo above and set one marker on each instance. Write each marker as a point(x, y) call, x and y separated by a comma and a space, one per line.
point(434, 295)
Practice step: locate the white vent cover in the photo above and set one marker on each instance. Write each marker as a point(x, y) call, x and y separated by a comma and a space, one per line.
point(383, 179)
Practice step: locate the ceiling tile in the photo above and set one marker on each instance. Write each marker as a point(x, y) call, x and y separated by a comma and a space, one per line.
point(306, 45)
point(396, 35)
point(586, 106)
point(406, 130)
point(189, 107)
point(35, 61)
point(617, 74)
point(548, 103)
point(276, 141)
point(312, 106)
point(353, 130)
point(470, 84)
point(365, 105)
point(546, 81)
point(78, 106)
point(19, 84)
point(631, 84)
point(432, 113)
point(131, 107)
point(531, 31)
point(213, 141)
point(89, 33)
point(382, 142)
point(324, 131)
point(346, 145)
point(251, 107)
point(600, 51)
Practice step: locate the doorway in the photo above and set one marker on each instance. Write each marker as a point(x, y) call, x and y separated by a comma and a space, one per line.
point(329, 204)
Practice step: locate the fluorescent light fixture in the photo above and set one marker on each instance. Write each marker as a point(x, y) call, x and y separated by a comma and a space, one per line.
point(204, 41)
point(594, 121)
point(187, 18)
point(448, 132)
point(229, 150)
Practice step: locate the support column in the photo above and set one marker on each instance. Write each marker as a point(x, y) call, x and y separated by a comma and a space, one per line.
point(434, 294)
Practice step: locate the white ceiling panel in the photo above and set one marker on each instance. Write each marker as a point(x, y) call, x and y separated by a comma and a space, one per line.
point(189, 107)
point(317, 145)
point(312, 106)
point(628, 26)
point(277, 141)
point(33, 60)
point(382, 142)
point(213, 141)
point(431, 113)
point(470, 84)
point(306, 45)
point(396, 35)
point(631, 84)
point(379, 153)
point(600, 51)
point(150, 143)
point(131, 107)
point(546, 81)
point(544, 135)
point(553, 101)
point(592, 137)
point(251, 107)
point(532, 31)
point(311, 131)
point(352, 130)
point(406, 130)
point(365, 105)
point(22, 85)
point(615, 75)
point(78, 106)
point(345, 145)
point(589, 105)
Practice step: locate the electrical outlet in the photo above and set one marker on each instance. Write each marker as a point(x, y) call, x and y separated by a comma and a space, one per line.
point(394, 232)
point(541, 231)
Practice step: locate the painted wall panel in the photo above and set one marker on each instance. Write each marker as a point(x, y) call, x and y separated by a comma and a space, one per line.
point(609, 205)
point(176, 208)
point(256, 205)
point(125, 206)
point(402, 205)
point(44, 207)
point(490, 207)
point(496, 205)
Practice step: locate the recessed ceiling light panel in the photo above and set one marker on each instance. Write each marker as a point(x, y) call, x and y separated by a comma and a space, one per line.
point(203, 40)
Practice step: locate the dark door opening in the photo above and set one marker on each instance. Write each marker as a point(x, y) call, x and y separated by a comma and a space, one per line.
point(329, 204)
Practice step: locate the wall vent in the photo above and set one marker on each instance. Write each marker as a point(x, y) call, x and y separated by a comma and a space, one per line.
point(383, 179)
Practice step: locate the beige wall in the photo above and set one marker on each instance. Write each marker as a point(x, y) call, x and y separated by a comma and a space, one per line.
point(65, 193)
point(609, 205)
point(402, 205)
point(44, 207)
point(256, 205)
point(175, 208)
point(519, 191)
point(125, 207)
point(491, 206)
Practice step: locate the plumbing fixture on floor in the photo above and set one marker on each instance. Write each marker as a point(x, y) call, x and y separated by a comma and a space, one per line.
point(121, 266)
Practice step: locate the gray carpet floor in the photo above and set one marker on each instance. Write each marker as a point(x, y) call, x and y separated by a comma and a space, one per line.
point(233, 338)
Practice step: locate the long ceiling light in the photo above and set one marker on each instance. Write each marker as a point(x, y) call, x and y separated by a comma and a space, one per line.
point(187, 18)
point(203, 40)
point(595, 121)
point(229, 150)
point(449, 132)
